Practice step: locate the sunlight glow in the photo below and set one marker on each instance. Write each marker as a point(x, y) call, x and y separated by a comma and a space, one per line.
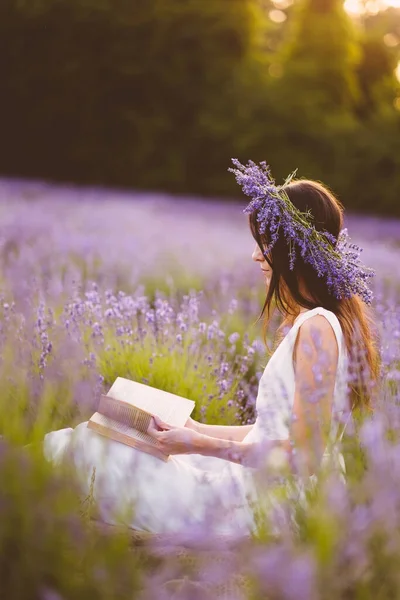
point(360, 7)
point(397, 71)
point(282, 4)
point(353, 7)
point(277, 16)
point(391, 40)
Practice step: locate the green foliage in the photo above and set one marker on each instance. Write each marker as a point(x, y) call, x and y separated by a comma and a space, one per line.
point(161, 94)
point(183, 373)
point(375, 74)
point(320, 58)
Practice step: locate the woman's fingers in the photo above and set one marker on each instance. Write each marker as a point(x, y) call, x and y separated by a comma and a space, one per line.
point(161, 424)
point(153, 429)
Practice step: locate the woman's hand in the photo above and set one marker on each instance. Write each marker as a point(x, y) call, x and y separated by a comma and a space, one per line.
point(175, 440)
point(185, 440)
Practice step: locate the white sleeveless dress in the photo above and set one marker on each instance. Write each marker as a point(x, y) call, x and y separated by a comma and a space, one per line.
point(191, 490)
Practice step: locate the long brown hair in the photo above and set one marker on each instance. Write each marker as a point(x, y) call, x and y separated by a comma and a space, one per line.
point(285, 288)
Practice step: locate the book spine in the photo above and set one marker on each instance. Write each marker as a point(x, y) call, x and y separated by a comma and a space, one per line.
point(124, 413)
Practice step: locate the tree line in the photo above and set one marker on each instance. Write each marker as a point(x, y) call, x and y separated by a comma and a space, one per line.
point(160, 94)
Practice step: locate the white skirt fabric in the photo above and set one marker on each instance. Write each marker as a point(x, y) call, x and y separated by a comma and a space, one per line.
point(147, 494)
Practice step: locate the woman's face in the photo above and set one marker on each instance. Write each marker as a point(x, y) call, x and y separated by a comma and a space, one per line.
point(258, 257)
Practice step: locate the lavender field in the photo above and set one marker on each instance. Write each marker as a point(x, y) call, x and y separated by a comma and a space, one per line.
point(96, 284)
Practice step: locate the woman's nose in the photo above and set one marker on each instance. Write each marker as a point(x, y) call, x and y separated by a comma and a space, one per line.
point(257, 255)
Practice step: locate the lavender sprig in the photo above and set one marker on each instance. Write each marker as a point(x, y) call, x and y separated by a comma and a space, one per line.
point(336, 260)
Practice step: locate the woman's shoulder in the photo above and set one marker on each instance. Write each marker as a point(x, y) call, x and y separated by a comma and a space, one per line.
point(316, 331)
point(319, 322)
point(318, 315)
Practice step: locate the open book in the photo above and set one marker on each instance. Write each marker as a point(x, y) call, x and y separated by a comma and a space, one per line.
point(124, 414)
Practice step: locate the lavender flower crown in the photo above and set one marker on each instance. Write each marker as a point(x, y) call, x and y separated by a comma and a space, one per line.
point(337, 260)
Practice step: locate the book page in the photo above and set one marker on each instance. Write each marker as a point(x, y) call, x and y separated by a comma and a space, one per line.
point(172, 409)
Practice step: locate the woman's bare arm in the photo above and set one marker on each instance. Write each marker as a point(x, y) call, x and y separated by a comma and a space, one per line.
point(251, 454)
point(315, 364)
point(234, 433)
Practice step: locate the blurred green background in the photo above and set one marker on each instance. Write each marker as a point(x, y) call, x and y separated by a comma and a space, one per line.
point(160, 94)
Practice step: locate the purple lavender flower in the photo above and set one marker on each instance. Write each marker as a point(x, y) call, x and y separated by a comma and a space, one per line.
point(336, 260)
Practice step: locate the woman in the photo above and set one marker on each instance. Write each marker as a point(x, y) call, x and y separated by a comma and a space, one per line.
point(318, 284)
